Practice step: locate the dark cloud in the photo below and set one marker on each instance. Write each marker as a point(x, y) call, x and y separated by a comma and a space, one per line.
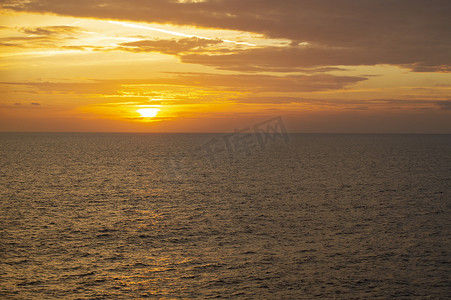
point(409, 33)
point(172, 46)
point(235, 82)
point(51, 30)
point(20, 42)
point(82, 48)
point(266, 83)
point(300, 57)
point(17, 105)
point(359, 104)
point(278, 59)
point(94, 87)
point(444, 105)
point(47, 36)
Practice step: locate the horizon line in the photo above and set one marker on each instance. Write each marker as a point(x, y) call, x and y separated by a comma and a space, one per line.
point(229, 132)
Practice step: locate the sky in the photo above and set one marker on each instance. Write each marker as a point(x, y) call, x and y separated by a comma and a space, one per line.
point(324, 66)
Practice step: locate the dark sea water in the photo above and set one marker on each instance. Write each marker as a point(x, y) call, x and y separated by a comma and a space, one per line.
point(130, 216)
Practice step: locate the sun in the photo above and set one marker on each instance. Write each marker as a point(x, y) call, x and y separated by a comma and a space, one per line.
point(148, 112)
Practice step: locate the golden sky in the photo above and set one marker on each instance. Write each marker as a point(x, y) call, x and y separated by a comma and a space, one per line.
point(215, 66)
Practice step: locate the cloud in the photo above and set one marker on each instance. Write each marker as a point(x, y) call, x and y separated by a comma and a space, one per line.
point(21, 42)
point(409, 33)
point(229, 82)
point(298, 58)
point(266, 83)
point(46, 36)
point(444, 105)
point(51, 30)
point(18, 105)
point(93, 87)
point(169, 46)
point(359, 104)
point(277, 59)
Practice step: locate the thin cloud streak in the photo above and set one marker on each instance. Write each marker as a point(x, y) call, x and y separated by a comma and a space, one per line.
point(177, 33)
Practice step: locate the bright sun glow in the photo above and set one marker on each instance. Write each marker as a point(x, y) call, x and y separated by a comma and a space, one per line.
point(148, 112)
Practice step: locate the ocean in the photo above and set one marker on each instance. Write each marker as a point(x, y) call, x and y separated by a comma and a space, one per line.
point(238, 216)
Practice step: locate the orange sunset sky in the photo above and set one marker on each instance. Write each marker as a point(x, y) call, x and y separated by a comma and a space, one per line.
point(376, 66)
